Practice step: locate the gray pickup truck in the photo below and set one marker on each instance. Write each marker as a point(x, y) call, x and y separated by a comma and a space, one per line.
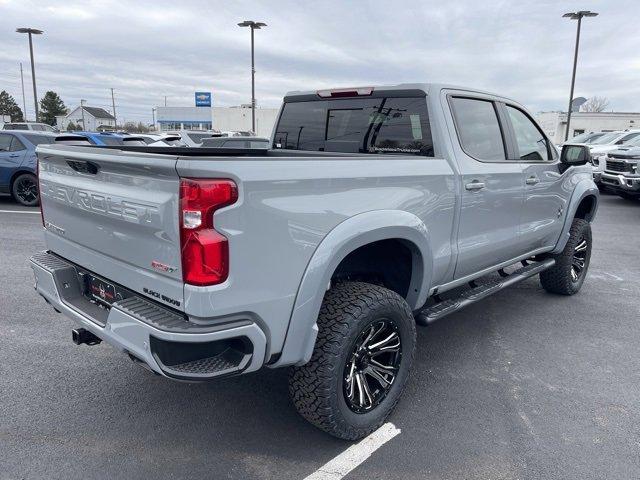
point(375, 209)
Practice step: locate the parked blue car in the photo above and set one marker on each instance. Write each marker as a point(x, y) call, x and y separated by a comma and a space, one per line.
point(99, 138)
point(18, 164)
point(110, 139)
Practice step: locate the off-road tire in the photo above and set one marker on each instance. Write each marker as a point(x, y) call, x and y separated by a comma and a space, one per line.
point(557, 279)
point(316, 388)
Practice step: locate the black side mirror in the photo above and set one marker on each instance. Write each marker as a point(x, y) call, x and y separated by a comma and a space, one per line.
point(575, 155)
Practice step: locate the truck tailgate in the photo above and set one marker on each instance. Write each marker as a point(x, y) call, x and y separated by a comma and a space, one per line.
point(115, 213)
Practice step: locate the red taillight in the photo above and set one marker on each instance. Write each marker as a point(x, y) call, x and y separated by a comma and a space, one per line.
point(205, 252)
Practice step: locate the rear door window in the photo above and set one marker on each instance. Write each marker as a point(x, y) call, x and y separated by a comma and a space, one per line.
point(478, 128)
point(397, 125)
point(36, 139)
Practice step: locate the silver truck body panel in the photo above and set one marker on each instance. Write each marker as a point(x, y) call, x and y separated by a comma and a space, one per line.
point(298, 216)
point(287, 207)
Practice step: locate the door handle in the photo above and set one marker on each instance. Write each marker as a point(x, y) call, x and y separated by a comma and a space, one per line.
point(532, 180)
point(14, 155)
point(475, 185)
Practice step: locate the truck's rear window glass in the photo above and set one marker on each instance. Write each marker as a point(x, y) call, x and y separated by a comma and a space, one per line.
point(478, 128)
point(357, 125)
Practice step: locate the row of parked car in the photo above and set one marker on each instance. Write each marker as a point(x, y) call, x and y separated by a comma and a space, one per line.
point(615, 157)
point(18, 164)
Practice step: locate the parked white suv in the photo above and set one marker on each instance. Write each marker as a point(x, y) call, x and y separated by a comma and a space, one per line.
point(39, 127)
point(607, 143)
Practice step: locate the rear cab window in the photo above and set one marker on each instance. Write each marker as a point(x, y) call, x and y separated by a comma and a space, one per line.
point(380, 125)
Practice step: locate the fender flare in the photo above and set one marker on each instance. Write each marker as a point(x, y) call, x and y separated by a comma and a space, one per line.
point(583, 189)
point(346, 237)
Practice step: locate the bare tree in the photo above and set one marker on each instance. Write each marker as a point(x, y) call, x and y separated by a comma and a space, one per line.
point(595, 104)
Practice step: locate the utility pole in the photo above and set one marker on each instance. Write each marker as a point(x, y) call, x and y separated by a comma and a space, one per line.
point(153, 116)
point(115, 119)
point(84, 127)
point(575, 16)
point(24, 101)
point(165, 100)
point(32, 31)
point(254, 26)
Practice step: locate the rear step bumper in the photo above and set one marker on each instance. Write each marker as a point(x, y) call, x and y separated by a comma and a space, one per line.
point(155, 335)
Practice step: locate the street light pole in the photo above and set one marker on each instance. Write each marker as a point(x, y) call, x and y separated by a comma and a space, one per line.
point(32, 31)
point(575, 16)
point(24, 101)
point(153, 116)
point(254, 26)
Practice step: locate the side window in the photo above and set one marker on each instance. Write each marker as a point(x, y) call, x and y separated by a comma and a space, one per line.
point(626, 138)
point(532, 144)
point(478, 128)
point(5, 142)
point(17, 145)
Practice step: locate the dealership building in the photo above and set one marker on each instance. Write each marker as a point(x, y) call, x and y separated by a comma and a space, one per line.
point(217, 118)
point(204, 116)
point(554, 124)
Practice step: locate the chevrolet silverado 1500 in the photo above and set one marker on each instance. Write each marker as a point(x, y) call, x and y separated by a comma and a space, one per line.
point(375, 209)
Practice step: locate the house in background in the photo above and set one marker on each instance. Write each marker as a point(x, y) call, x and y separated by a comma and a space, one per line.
point(90, 119)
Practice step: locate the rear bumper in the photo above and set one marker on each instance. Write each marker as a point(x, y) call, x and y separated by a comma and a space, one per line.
point(621, 183)
point(161, 338)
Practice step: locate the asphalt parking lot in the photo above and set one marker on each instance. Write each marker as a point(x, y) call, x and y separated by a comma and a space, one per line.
point(523, 385)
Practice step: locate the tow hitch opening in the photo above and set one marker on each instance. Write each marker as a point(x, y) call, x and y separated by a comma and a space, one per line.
point(81, 335)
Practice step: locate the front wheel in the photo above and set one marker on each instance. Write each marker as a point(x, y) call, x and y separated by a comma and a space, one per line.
point(361, 361)
point(568, 274)
point(25, 190)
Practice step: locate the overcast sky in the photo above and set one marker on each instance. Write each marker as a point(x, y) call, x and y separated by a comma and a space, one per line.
point(148, 49)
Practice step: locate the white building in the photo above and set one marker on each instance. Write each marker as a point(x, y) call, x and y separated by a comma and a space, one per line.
point(554, 124)
point(89, 119)
point(183, 118)
point(217, 118)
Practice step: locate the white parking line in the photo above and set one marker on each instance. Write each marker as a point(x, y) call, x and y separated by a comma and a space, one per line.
point(353, 456)
point(20, 211)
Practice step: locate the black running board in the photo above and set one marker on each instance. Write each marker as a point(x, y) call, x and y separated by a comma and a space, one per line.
point(446, 307)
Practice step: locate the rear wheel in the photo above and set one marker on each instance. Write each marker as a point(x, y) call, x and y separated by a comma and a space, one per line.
point(568, 274)
point(361, 361)
point(25, 190)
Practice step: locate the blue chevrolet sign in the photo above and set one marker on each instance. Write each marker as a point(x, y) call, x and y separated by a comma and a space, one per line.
point(203, 99)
